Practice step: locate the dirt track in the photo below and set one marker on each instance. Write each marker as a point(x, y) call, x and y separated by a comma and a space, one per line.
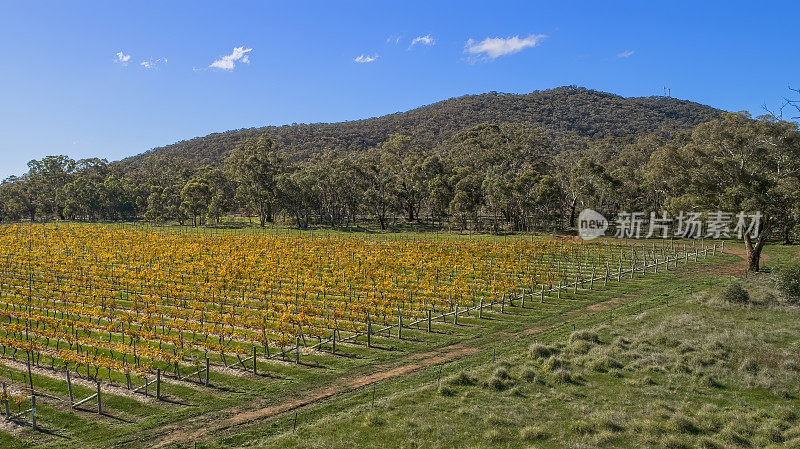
point(239, 416)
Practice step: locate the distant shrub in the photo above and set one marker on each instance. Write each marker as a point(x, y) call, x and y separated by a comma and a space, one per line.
point(461, 379)
point(500, 379)
point(529, 374)
point(553, 363)
point(584, 335)
point(604, 363)
point(580, 347)
point(735, 293)
point(539, 351)
point(682, 424)
point(787, 281)
point(446, 391)
point(564, 376)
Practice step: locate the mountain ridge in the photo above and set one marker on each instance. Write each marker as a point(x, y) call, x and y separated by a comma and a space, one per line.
point(563, 111)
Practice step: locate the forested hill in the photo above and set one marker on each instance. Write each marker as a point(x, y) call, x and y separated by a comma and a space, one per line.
point(564, 111)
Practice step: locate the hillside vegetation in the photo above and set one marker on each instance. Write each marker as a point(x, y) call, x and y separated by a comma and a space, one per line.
point(566, 112)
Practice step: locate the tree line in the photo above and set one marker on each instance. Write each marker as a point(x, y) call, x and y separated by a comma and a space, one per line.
point(489, 177)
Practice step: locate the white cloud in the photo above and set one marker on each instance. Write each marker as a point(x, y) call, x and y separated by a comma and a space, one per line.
point(626, 54)
point(153, 63)
point(363, 59)
point(122, 58)
point(228, 62)
point(394, 39)
point(423, 40)
point(494, 47)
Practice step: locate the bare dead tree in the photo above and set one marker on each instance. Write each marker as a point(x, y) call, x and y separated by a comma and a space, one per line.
point(788, 103)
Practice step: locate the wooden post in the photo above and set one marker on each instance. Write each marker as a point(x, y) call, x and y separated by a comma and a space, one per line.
point(503, 304)
point(297, 350)
point(480, 309)
point(399, 327)
point(455, 316)
point(99, 402)
point(158, 383)
point(369, 332)
point(208, 370)
point(128, 379)
point(5, 400)
point(69, 389)
point(255, 369)
point(33, 410)
point(542, 298)
point(30, 375)
point(429, 320)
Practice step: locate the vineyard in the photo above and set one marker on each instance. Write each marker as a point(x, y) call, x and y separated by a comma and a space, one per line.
point(131, 303)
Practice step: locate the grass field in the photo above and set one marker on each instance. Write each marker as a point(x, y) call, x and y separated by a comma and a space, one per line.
point(657, 359)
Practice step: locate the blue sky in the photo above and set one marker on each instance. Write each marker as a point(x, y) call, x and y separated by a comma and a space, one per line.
point(72, 78)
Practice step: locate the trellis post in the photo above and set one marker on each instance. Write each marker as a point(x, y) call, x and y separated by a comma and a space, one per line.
point(369, 331)
point(5, 401)
point(69, 389)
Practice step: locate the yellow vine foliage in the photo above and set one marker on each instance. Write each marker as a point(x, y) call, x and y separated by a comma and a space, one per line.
point(124, 297)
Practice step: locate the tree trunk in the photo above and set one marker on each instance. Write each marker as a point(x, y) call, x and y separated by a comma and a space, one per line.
point(572, 212)
point(754, 252)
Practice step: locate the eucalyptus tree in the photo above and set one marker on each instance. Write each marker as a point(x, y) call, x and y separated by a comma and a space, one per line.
point(735, 164)
point(254, 166)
